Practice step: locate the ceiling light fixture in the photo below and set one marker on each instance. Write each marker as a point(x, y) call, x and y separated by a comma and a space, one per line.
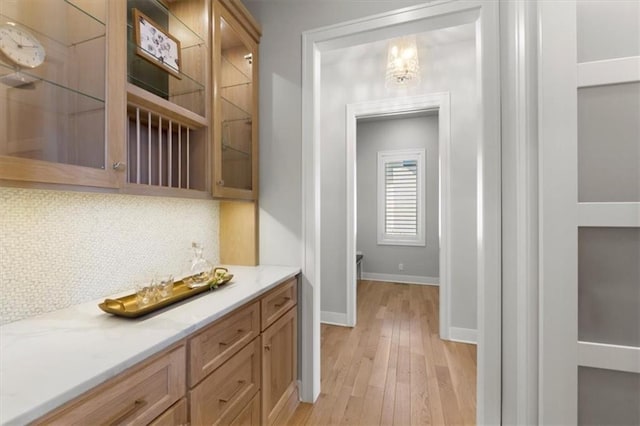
point(403, 67)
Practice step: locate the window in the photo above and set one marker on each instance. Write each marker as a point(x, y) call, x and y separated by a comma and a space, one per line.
point(401, 209)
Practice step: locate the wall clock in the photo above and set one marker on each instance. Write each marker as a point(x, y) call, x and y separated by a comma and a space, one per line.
point(20, 46)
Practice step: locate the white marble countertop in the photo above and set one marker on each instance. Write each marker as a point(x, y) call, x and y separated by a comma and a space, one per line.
point(50, 359)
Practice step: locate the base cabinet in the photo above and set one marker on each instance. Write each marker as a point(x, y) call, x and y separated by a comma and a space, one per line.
point(250, 415)
point(175, 416)
point(224, 394)
point(228, 373)
point(135, 397)
point(279, 370)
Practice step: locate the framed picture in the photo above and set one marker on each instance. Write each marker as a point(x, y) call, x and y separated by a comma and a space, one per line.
point(155, 44)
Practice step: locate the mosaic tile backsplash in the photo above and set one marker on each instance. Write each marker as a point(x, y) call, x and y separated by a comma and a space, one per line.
point(59, 249)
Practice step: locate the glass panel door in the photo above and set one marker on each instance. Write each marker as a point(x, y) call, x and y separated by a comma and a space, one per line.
point(237, 103)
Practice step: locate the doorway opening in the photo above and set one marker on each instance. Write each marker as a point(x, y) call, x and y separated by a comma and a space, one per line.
point(485, 16)
point(437, 103)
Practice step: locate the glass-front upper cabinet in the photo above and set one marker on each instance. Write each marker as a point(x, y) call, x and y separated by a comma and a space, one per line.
point(236, 138)
point(53, 98)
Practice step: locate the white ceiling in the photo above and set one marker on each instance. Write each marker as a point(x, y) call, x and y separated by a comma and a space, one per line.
point(426, 39)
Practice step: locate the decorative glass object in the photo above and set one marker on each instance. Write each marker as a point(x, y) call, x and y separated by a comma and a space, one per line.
point(403, 67)
point(201, 270)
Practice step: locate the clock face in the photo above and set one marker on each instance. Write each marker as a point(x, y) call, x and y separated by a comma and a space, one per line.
point(20, 46)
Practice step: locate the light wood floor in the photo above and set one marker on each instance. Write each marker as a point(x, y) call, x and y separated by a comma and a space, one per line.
point(393, 369)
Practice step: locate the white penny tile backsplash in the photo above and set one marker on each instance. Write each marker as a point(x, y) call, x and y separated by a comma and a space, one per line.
point(58, 249)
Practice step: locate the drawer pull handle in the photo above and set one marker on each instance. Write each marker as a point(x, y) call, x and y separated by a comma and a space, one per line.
point(239, 332)
point(238, 388)
point(285, 300)
point(120, 418)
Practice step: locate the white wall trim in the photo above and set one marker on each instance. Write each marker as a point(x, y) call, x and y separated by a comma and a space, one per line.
point(610, 71)
point(558, 233)
point(434, 101)
point(401, 279)
point(463, 335)
point(447, 13)
point(520, 212)
point(609, 214)
point(489, 213)
point(610, 357)
point(334, 318)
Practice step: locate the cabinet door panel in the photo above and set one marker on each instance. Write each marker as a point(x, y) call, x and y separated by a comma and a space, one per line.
point(279, 366)
point(236, 130)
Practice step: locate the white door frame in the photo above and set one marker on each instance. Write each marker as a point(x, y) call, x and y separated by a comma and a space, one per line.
point(423, 18)
point(434, 102)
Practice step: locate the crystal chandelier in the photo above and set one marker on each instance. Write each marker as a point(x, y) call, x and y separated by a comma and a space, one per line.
point(403, 68)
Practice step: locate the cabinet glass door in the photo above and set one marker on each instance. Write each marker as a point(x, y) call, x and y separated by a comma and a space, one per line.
point(236, 92)
point(52, 81)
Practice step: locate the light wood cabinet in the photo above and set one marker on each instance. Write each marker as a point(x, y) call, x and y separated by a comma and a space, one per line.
point(278, 301)
point(58, 123)
point(99, 114)
point(136, 397)
point(210, 348)
point(279, 369)
point(175, 416)
point(250, 416)
point(236, 37)
point(227, 391)
point(238, 375)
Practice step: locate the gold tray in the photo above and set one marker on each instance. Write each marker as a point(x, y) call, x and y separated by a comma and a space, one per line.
point(127, 306)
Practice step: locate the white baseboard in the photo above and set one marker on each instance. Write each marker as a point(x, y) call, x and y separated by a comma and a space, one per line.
point(405, 279)
point(333, 318)
point(463, 335)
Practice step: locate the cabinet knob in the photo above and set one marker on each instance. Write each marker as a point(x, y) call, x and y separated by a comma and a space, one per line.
point(267, 348)
point(220, 183)
point(118, 165)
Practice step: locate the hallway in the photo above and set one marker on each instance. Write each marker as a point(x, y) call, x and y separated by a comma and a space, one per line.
point(393, 369)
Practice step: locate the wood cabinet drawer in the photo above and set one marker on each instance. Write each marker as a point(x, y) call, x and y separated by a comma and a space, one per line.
point(132, 398)
point(220, 397)
point(174, 416)
point(250, 415)
point(217, 343)
point(278, 301)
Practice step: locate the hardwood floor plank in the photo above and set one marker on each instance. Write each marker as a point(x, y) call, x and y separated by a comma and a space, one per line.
point(372, 407)
point(392, 368)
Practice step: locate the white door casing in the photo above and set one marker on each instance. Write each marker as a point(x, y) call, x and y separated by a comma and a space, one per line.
point(439, 102)
point(433, 15)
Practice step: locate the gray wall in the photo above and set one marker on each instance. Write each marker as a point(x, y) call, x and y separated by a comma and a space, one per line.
point(283, 22)
point(389, 134)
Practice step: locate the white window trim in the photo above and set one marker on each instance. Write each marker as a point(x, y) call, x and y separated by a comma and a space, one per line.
point(402, 240)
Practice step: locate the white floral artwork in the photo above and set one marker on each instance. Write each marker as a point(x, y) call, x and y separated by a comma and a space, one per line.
point(158, 46)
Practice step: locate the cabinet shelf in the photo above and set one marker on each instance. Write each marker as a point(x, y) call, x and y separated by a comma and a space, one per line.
point(175, 87)
point(232, 112)
point(174, 25)
point(50, 20)
point(226, 147)
point(9, 76)
point(49, 122)
point(140, 97)
point(232, 75)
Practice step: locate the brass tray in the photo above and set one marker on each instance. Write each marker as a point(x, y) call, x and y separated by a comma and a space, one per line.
point(127, 306)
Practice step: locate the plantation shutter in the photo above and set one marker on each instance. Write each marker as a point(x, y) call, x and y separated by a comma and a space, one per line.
point(401, 197)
